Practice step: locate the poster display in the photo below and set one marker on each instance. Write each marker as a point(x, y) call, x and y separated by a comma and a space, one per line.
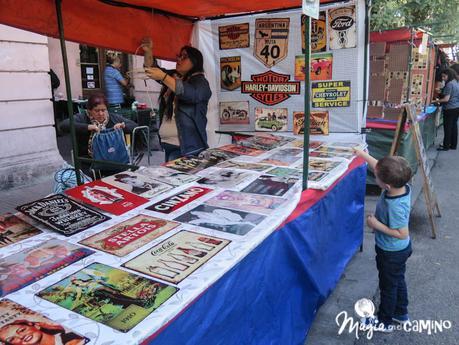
point(21, 325)
point(325, 165)
point(271, 119)
point(244, 166)
point(108, 295)
point(138, 184)
point(125, 237)
point(286, 172)
point(321, 67)
point(221, 219)
point(230, 73)
point(317, 176)
point(106, 197)
point(177, 257)
point(270, 185)
point(283, 157)
point(271, 40)
point(189, 164)
point(318, 33)
point(175, 202)
point(234, 113)
point(319, 122)
point(62, 214)
point(32, 264)
point(263, 204)
point(241, 150)
point(341, 27)
point(329, 94)
point(224, 178)
point(14, 229)
point(170, 176)
point(234, 36)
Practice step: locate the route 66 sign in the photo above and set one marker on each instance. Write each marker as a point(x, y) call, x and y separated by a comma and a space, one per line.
point(271, 40)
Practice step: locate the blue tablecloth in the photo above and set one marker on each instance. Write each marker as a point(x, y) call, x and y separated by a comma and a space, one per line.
point(273, 294)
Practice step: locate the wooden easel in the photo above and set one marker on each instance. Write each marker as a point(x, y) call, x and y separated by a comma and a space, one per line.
point(429, 194)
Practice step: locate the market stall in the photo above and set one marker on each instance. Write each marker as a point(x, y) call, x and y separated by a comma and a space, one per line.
point(235, 252)
point(402, 69)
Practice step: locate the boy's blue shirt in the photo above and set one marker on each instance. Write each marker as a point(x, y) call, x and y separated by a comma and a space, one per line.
point(393, 211)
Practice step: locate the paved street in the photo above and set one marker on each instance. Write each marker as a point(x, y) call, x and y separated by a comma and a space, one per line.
point(432, 273)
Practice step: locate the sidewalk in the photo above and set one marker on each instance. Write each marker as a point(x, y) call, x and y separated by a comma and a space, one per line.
point(432, 274)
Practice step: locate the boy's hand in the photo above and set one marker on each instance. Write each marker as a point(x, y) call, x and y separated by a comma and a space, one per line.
point(373, 222)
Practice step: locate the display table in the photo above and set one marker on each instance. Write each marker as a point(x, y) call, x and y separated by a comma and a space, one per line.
point(273, 294)
point(380, 138)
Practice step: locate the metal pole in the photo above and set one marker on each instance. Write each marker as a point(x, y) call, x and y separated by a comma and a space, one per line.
point(307, 98)
point(68, 90)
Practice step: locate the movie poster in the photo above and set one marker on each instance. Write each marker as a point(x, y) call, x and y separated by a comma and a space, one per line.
point(137, 184)
point(271, 119)
point(35, 263)
point(234, 113)
point(325, 165)
point(230, 73)
point(62, 214)
point(284, 156)
point(170, 176)
point(341, 27)
point(175, 202)
point(241, 150)
point(224, 178)
point(327, 153)
point(318, 33)
point(244, 166)
point(286, 172)
point(189, 164)
point(321, 67)
point(271, 40)
point(217, 155)
point(106, 197)
point(270, 185)
point(14, 229)
point(221, 219)
point(263, 204)
point(20, 325)
point(177, 257)
point(108, 295)
point(317, 176)
point(318, 122)
point(123, 238)
point(234, 36)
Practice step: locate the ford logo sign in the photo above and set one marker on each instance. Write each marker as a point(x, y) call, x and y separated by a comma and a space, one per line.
point(342, 23)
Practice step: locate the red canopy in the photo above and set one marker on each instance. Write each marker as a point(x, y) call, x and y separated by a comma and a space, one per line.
point(121, 25)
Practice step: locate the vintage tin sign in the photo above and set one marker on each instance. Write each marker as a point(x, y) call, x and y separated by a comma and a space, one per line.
point(271, 40)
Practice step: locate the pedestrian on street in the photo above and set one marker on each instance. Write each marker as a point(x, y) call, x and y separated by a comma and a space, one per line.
point(393, 244)
point(450, 102)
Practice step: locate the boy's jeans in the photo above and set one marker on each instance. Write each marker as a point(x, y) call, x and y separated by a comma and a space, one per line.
point(394, 295)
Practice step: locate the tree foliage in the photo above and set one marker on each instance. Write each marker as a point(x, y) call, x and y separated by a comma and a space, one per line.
point(440, 17)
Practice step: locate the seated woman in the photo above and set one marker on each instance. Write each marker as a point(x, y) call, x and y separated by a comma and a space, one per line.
point(95, 119)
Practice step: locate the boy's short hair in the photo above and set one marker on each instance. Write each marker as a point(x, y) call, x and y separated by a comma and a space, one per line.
point(393, 170)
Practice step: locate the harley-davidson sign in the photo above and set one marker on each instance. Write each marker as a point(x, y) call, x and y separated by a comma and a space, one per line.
point(270, 88)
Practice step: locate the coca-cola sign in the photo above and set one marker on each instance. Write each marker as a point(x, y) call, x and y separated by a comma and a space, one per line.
point(342, 23)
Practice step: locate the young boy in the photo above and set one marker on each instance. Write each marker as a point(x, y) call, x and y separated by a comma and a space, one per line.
point(393, 245)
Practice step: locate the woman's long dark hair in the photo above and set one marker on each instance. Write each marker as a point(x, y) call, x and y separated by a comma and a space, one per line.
point(196, 59)
point(166, 107)
point(450, 73)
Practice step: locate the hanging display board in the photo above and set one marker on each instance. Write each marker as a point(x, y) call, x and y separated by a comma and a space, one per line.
point(268, 74)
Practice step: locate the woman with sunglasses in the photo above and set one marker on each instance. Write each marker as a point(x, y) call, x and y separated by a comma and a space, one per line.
point(183, 105)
